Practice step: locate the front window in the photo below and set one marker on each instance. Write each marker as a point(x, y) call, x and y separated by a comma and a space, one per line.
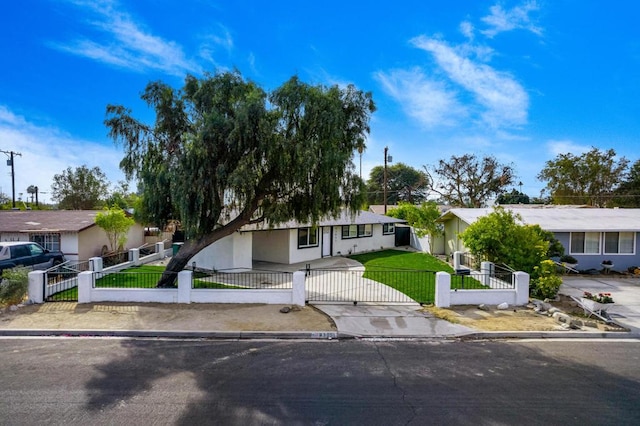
point(356, 231)
point(585, 242)
point(619, 243)
point(388, 228)
point(50, 242)
point(307, 237)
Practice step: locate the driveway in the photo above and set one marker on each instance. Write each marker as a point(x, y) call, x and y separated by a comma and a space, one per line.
point(339, 279)
point(625, 293)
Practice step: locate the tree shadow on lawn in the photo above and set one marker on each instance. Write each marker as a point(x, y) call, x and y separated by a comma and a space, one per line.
point(360, 382)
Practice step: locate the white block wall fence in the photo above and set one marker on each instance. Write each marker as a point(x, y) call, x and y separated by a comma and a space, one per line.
point(446, 297)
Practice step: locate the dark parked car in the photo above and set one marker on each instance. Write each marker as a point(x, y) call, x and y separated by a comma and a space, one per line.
point(31, 255)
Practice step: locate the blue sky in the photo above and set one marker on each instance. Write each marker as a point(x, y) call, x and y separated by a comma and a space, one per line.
point(520, 80)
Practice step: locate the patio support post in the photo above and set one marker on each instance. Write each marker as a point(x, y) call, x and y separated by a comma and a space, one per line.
point(298, 292)
point(85, 285)
point(36, 286)
point(443, 290)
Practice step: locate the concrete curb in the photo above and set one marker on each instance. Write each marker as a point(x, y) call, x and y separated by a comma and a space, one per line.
point(488, 335)
point(175, 334)
point(317, 335)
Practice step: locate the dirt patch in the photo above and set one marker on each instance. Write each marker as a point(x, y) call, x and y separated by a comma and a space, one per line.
point(169, 317)
point(522, 318)
point(493, 319)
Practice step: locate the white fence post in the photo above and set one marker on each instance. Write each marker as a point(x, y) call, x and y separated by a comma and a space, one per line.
point(95, 264)
point(134, 256)
point(298, 293)
point(457, 255)
point(160, 250)
point(443, 290)
point(85, 285)
point(522, 288)
point(36, 286)
point(185, 279)
point(487, 269)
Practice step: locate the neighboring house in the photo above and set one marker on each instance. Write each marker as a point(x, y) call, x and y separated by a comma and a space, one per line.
point(73, 232)
point(591, 235)
point(292, 242)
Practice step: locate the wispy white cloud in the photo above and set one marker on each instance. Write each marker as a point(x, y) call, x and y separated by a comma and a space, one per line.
point(556, 147)
point(427, 100)
point(47, 151)
point(501, 20)
point(122, 42)
point(467, 29)
point(503, 99)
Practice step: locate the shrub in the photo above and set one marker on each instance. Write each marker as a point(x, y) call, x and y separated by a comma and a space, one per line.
point(547, 282)
point(14, 285)
point(568, 259)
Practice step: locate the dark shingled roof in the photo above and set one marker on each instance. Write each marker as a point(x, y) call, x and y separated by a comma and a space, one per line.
point(46, 220)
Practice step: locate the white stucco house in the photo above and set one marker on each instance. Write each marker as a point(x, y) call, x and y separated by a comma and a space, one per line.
point(73, 232)
point(591, 235)
point(292, 242)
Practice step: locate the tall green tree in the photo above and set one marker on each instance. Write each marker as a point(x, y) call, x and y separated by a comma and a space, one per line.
point(224, 153)
point(422, 218)
point(116, 224)
point(628, 192)
point(513, 197)
point(467, 181)
point(590, 178)
point(500, 237)
point(404, 184)
point(81, 188)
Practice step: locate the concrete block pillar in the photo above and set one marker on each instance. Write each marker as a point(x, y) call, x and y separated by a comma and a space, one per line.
point(487, 269)
point(95, 264)
point(159, 247)
point(85, 286)
point(185, 280)
point(134, 256)
point(457, 260)
point(298, 295)
point(36, 286)
point(522, 288)
point(443, 290)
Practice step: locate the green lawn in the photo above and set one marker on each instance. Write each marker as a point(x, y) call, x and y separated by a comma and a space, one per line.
point(411, 273)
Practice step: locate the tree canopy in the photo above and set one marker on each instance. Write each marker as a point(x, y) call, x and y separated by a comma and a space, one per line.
point(422, 218)
point(116, 224)
point(590, 178)
point(500, 237)
point(223, 153)
point(80, 189)
point(628, 192)
point(466, 181)
point(404, 184)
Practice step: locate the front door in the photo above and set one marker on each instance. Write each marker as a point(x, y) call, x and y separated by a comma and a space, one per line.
point(326, 241)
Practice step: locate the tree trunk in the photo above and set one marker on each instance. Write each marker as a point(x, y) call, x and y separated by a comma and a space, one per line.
point(192, 247)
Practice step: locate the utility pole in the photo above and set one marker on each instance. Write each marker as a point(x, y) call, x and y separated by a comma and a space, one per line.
point(13, 175)
point(386, 158)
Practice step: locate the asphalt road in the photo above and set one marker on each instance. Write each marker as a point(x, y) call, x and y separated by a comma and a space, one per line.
point(125, 382)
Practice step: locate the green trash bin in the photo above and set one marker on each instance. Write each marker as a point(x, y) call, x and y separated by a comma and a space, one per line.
point(176, 247)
